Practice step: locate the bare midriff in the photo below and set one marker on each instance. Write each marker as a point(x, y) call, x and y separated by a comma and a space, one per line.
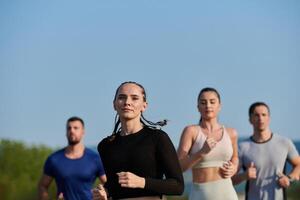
point(202, 175)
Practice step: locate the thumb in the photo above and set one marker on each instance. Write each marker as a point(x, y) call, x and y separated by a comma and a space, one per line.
point(252, 164)
point(61, 196)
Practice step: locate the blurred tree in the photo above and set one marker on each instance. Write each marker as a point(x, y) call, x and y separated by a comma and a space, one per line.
point(20, 169)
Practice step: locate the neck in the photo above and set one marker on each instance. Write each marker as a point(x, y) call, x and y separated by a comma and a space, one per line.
point(262, 136)
point(74, 151)
point(131, 127)
point(210, 125)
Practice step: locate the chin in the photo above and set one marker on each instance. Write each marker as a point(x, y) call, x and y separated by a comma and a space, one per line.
point(72, 143)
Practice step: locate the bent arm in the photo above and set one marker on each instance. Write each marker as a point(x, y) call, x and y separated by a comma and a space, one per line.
point(238, 178)
point(102, 179)
point(43, 186)
point(173, 184)
point(295, 173)
point(234, 138)
point(186, 141)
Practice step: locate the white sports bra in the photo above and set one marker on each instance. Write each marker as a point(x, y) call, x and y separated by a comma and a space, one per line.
point(221, 153)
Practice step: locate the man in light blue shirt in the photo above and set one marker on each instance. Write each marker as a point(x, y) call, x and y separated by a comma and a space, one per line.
point(262, 159)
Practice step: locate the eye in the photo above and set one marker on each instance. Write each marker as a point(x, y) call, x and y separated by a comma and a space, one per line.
point(135, 98)
point(121, 97)
point(213, 101)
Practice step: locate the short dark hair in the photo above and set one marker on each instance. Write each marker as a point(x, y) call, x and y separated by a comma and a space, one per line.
point(75, 118)
point(256, 104)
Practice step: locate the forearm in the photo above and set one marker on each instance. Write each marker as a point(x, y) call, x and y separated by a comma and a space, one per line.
point(43, 193)
point(238, 178)
point(189, 161)
point(295, 173)
point(165, 186)
point(235, 162)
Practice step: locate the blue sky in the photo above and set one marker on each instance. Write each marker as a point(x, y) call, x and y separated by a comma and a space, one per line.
point(65, 58)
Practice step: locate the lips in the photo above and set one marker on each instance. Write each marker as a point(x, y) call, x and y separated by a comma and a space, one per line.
point(126, 110)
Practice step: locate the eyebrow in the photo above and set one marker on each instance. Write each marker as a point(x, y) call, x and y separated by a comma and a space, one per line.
point(132, 95)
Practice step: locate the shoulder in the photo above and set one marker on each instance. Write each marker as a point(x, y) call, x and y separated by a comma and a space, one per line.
point(90, 152)
point(56, 157)
point(282, 140)
point(245, 144)
point(232, 132)
point(191, 131)
point(158, 136)
point(105, 142)
point(57, 153)
point(154, 132)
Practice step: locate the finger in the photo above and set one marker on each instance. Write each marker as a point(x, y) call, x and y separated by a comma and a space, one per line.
point(252, 164)
point(100, 187)
point(121, 181)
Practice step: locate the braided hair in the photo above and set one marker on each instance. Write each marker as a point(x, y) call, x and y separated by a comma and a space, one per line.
point(117, 129)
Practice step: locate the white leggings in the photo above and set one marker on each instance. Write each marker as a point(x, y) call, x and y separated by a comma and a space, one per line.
point(214, 190)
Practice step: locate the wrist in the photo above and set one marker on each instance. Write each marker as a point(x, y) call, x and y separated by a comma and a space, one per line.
point(291, 179)
point(143, 183)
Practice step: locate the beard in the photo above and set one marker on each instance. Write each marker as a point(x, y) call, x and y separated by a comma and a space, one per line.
point(73, 142)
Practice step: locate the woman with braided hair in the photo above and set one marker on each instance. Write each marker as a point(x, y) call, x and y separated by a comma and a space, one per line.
point(139, 159)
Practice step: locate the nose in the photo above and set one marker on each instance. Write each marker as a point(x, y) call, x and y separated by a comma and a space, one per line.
point(127, 101)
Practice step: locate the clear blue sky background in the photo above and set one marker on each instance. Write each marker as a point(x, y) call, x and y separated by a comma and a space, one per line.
point(64, 58)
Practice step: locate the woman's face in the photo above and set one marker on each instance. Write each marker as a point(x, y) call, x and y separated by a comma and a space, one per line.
point(130, 101)
point(209, 105)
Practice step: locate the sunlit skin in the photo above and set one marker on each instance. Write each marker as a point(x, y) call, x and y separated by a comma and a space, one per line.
point(129, 104)
point(75, 132)
point(209, 107)
point(74, 150)
point(260, 120)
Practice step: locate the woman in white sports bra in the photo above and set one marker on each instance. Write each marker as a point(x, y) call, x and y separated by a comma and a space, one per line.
point(210, 150)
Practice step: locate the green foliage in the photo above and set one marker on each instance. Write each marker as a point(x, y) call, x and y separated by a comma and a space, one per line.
point(20, 169)
point(293, 191)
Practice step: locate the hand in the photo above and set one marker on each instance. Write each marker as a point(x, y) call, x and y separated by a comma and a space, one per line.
point(130, 180)
point(283, 180)
point(60, 196)
point(251, 171)
point(99, 193)
point(227, 170)
point(208, 145)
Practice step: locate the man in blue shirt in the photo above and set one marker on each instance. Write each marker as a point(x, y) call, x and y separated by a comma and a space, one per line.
point(74, 168)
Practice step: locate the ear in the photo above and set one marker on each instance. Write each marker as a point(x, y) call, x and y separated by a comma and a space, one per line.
point(145, 105)
point(220, 107)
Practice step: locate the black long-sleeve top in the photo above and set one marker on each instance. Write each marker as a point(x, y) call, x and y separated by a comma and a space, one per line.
point(148, 153)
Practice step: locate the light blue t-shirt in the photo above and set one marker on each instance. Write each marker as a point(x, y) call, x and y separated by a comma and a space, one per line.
point(269, 159)
point(74, 177)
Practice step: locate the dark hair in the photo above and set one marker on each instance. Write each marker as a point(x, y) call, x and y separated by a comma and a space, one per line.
point(208, 89)
point(75, 118)
point(144, 121)
point(256, 104)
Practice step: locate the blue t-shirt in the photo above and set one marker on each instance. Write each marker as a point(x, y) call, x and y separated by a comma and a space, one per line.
point(74, 177)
